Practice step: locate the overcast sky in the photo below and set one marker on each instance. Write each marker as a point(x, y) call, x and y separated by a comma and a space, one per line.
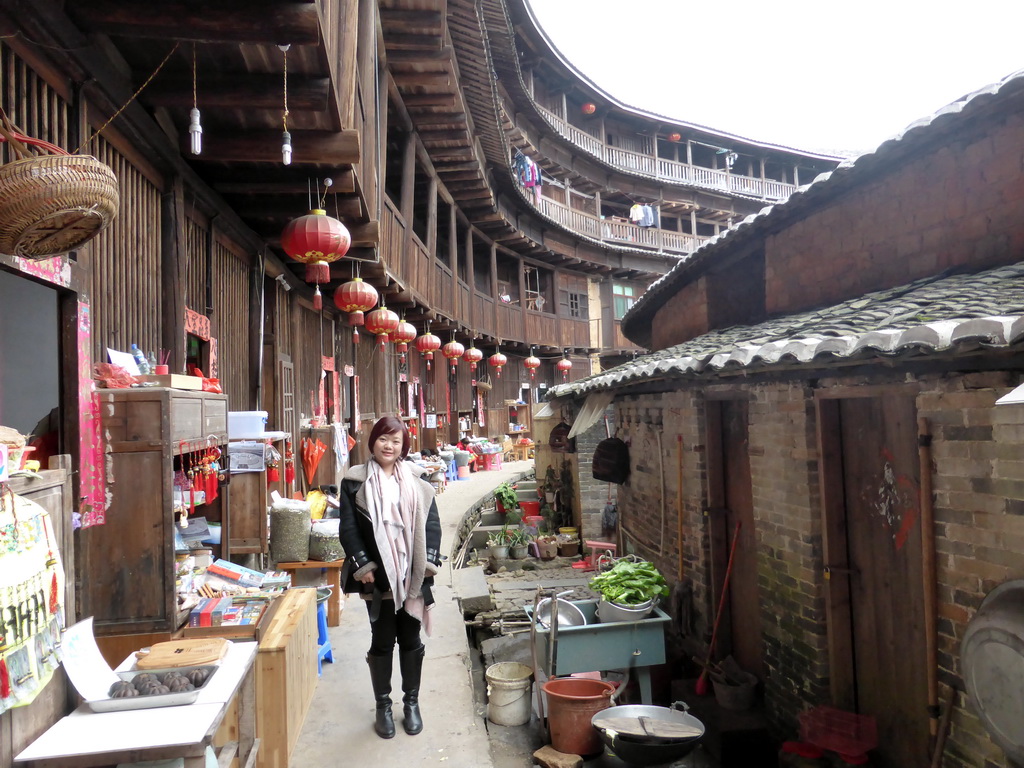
point(810, 74)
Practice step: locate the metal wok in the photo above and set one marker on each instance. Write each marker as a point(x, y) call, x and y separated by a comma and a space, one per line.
point(637, 744)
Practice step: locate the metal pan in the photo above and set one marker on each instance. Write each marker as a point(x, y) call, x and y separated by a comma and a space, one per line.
point(175, 699)
point(645, 749)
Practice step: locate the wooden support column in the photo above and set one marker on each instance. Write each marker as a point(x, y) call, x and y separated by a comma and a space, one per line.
point(471, 278)
point(453, 261)
point(431, 216)
point(255, 334)
point(522, 298)
point(351, 40)
point(172, 277)
point(762, 169)
point(408, 189)
point(689, 152)
point(693, 222)
point(494, 285)
point(796, 175)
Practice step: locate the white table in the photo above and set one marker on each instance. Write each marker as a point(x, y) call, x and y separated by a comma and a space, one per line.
point(86, 739)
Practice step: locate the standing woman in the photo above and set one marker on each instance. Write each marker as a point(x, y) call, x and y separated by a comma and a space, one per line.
point(391, 534)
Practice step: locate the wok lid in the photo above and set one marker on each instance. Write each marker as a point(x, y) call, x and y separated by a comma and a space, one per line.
point(649, 724)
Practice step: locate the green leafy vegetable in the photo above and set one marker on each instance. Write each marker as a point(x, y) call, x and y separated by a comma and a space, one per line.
point(630, 583)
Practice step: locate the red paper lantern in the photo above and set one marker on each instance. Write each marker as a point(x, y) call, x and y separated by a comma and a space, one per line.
point(355, 297)
point(315, 240)
point(473, 356)
point(382, 322)
point(675, 136)
point(532, 364)
point(496, 361)
point(427, 344)
point(589, 108)
point(453, 351)
point(564, 365)
point(403, 335)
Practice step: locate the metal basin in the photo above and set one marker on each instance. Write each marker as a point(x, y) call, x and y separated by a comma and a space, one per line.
point(568, 614)
point(643, 750)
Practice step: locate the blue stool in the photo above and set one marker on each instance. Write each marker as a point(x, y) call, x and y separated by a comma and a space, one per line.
point(323, 641)
point(452, 474)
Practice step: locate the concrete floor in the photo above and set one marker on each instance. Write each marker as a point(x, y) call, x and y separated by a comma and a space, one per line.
point(338, 730)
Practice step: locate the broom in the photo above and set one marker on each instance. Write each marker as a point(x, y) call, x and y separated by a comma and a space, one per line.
point(701, 688)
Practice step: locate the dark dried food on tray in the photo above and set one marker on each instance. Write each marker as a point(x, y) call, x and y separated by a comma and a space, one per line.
point(123, 689)
point(197, 676)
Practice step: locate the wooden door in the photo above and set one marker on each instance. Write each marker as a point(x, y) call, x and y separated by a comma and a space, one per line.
point(880, 475)
point(743, 597)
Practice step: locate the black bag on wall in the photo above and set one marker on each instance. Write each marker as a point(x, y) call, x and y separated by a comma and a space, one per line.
point(611, 461)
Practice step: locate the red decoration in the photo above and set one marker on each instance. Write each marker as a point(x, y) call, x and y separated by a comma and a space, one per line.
point(427, 344)
point(404, 334)
point(355, 297)
point(496, 361)
point(564, 365)
point(453, 351)
point(532, 364)
point(473, 356)
point(382, 322)
point(315, 240)
point(675, 136)
point(589, 108)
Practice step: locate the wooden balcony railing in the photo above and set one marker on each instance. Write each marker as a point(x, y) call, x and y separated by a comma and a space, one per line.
point(669, 170)
point(619, 231)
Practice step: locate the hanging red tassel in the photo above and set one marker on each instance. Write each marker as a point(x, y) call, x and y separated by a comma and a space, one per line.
point(318, 299)
point(318, 272)
point(355, 335)
point(53, 595)
point(273, 475)
point(5, 680)
point(289, 473)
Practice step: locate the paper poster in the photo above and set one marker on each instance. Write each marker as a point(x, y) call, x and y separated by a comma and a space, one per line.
point(32, 590)
point(430, 421)
point(125, 360)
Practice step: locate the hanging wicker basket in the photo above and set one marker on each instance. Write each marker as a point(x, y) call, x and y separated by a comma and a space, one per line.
point(51, 203)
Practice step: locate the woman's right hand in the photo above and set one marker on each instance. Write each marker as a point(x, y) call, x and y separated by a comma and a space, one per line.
point(366, 578)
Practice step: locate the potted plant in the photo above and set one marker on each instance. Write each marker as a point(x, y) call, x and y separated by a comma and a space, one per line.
point(549, 486)
point(547, 546)
point(498, 543)
point(568, 545)
point(505, 497)
point(629, 590)
point(519, 544)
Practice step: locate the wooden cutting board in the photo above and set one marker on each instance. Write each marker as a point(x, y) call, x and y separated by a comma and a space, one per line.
point(647, 726)
point(189, 652)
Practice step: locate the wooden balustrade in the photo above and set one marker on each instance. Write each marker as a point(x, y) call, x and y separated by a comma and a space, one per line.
point(668, 170)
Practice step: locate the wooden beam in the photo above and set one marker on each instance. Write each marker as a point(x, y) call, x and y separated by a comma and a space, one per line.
point(430, 79)
point(224, 21)
point(366, 235)
point(344, 184)
point(429, 100)
point(240, 91)
point(253, 207)
point(418, 20)
point(308, 147)
point(412, 56)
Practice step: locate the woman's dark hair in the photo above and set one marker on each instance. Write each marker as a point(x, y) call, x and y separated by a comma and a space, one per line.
point(389, 425)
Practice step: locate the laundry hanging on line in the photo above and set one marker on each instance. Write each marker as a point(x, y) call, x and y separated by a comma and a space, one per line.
point(644, 215)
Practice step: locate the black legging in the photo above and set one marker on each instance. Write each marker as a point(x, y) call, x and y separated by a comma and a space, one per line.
point(392, 625)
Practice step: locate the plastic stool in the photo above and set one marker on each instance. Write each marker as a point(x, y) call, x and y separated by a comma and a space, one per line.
point(463, 473)
point(323, 641)
point(452, 473)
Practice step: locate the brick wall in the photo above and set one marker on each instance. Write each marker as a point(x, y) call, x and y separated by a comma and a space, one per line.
point(959, 205)
point(979, 518)
point(682, 317)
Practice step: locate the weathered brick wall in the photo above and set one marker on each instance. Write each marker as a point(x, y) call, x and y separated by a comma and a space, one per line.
point(684, 316)
point(593, 493)
point(959, 205)
point(784, 475)
point(979, 518)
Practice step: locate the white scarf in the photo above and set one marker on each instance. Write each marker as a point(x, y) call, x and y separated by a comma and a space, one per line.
point(396, 517)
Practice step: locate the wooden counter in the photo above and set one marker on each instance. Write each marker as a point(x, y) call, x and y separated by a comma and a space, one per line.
point(286, 676)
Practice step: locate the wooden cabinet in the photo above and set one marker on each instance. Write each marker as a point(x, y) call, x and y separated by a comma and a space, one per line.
point(126, 566)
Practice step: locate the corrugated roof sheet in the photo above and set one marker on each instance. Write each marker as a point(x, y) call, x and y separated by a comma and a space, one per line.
point(928, 316)
point(636, 322)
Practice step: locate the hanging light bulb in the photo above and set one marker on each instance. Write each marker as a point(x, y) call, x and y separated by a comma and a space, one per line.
point(195, 129)
point(286, 148)
point(286, 138)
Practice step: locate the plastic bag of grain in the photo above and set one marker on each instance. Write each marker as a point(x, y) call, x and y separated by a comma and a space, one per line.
point(289, 530)
point(324, 543)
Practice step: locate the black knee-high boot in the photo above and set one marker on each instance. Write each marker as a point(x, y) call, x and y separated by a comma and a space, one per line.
point(380, 678)
point(411, 664)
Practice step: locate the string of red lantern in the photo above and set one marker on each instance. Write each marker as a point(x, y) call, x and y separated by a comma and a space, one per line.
point(453, 351)
point(427, 344)
point(382, 322)
point(472, 356)
point(402, 336)
point(355, 297)
point(316, 240)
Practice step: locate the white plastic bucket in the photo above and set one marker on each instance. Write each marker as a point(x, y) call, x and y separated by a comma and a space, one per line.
point(508, 693)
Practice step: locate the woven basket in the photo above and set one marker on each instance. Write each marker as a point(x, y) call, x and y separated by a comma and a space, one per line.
point(51, 204)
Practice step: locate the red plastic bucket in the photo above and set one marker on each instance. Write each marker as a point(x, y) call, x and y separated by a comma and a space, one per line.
point(572, 702)
point(530, 508)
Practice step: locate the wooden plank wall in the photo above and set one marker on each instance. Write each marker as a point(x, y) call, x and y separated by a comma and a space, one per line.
point(124, 279)
point(230, 321)
point(32, 104)
point(196, 227)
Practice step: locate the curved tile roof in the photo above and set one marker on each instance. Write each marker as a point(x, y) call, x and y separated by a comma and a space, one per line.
point(929, 316)
point(849, 173)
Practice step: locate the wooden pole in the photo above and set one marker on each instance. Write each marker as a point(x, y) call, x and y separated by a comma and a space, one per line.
point(940, 742)
point(679, 508)
point(928, 573)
